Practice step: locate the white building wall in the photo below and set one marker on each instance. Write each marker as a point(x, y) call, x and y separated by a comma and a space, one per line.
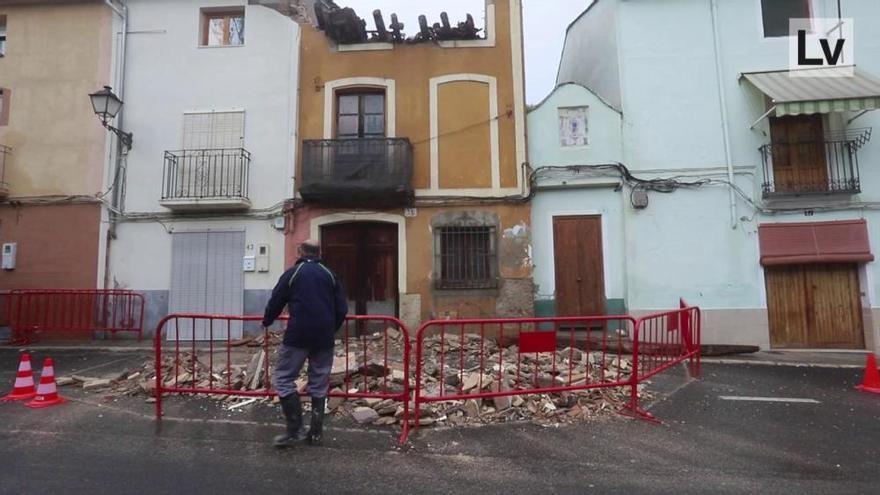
point(589, 56)
point(168, 74)
point(683, 244)
point(563, 194)
point(604, 129)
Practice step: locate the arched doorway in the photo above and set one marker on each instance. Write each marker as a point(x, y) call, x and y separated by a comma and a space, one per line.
point(364, 256)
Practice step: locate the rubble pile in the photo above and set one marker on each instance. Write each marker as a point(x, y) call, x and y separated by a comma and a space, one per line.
point(474, 365)
point(373, 363)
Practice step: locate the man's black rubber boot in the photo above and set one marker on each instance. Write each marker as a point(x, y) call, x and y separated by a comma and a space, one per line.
point(291, 407)
point(316, 427)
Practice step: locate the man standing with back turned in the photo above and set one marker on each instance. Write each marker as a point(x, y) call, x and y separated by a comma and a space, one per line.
point(317, 306)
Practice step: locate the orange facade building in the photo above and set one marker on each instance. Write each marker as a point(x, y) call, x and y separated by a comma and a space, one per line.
point(412, 169)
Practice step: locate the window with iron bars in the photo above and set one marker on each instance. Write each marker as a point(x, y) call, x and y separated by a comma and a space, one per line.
point(465, 258)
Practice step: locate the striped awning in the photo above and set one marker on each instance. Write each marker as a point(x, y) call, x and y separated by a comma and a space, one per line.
point(811, 91)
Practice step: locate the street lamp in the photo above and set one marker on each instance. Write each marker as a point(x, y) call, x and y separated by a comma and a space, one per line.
point(106, 105)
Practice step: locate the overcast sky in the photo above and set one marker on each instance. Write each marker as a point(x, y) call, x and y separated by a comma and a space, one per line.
point(544, 23)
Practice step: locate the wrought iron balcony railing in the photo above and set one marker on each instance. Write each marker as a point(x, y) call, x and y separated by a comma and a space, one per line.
point(215, 175)
point(350, 172)
point(827, 166)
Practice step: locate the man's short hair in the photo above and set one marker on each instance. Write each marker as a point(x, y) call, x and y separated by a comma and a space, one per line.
point(310, 248)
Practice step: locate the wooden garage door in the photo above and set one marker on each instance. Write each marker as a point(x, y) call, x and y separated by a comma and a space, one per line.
point(815, 306)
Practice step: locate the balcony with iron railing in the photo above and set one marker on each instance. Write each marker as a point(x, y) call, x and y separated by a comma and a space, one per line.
point(5, 153)
point(206, 179)
point(357, 172)
point(814, 167)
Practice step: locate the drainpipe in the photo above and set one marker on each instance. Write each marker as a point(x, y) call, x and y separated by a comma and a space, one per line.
point(116, 197)
point(722, 100)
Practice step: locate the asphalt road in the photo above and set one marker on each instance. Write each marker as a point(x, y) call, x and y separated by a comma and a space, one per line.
point(100, 444)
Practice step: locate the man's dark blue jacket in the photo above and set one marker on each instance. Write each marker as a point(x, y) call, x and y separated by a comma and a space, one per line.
point(316, 303)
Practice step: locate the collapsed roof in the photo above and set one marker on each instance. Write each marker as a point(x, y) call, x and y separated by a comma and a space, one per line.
point(342, 25)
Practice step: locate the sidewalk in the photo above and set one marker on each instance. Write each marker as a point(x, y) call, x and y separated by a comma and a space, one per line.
point(788, 357)
point(805, 358)
point(107, 345)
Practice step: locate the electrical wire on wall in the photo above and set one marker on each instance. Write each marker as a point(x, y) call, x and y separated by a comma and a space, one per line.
point(667, 185)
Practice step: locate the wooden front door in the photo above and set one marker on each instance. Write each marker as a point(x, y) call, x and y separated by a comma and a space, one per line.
point(364, 256)
point(815, 306)
point(798, 145)
point(580, 278)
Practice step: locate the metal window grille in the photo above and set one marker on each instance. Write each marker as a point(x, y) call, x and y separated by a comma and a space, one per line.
point(466, 257)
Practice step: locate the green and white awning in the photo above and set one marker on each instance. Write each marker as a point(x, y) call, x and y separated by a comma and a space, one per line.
point(812, 91)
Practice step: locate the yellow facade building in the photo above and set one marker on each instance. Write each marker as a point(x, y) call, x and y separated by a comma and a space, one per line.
point(412, 168)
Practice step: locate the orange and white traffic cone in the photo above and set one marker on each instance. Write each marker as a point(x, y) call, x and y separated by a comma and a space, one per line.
point(47, 391)
point(24, 382)
point(871, 383)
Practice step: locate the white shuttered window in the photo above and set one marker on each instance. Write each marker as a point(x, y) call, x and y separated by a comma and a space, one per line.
point(213, 130)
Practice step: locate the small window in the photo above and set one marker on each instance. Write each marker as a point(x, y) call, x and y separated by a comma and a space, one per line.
point(360, 115)
point(465, 257)
point(2, 35)
point(222, 27)
point(777, 13)
point(4, 106)
point(573, 126)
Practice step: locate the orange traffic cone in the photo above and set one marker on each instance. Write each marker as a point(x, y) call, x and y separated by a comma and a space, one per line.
point(47, 392)
point(24, 382)
point(871, 383)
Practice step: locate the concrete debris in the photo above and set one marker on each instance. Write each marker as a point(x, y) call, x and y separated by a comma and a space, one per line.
point(364, 365)
point(96, 383)
point(364, 414)
point(242, 404)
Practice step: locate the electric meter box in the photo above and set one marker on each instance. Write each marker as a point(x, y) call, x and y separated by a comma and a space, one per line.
point(262, 258)
point(9, 251)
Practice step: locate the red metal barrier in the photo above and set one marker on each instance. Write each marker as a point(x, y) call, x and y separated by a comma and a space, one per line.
point(508, 357)
point(368, 349)
point(661, 341)
point(506, 354)
point(32, 311)
point(666, 339)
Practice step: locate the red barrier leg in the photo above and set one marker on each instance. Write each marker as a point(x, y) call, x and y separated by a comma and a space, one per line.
point(632, 410)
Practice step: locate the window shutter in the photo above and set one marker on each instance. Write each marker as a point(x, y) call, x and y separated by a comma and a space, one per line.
point(5, 97)
point(213, 130)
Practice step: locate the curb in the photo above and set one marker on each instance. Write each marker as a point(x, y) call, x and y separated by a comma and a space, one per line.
point(43, 348)
point(793, 364)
